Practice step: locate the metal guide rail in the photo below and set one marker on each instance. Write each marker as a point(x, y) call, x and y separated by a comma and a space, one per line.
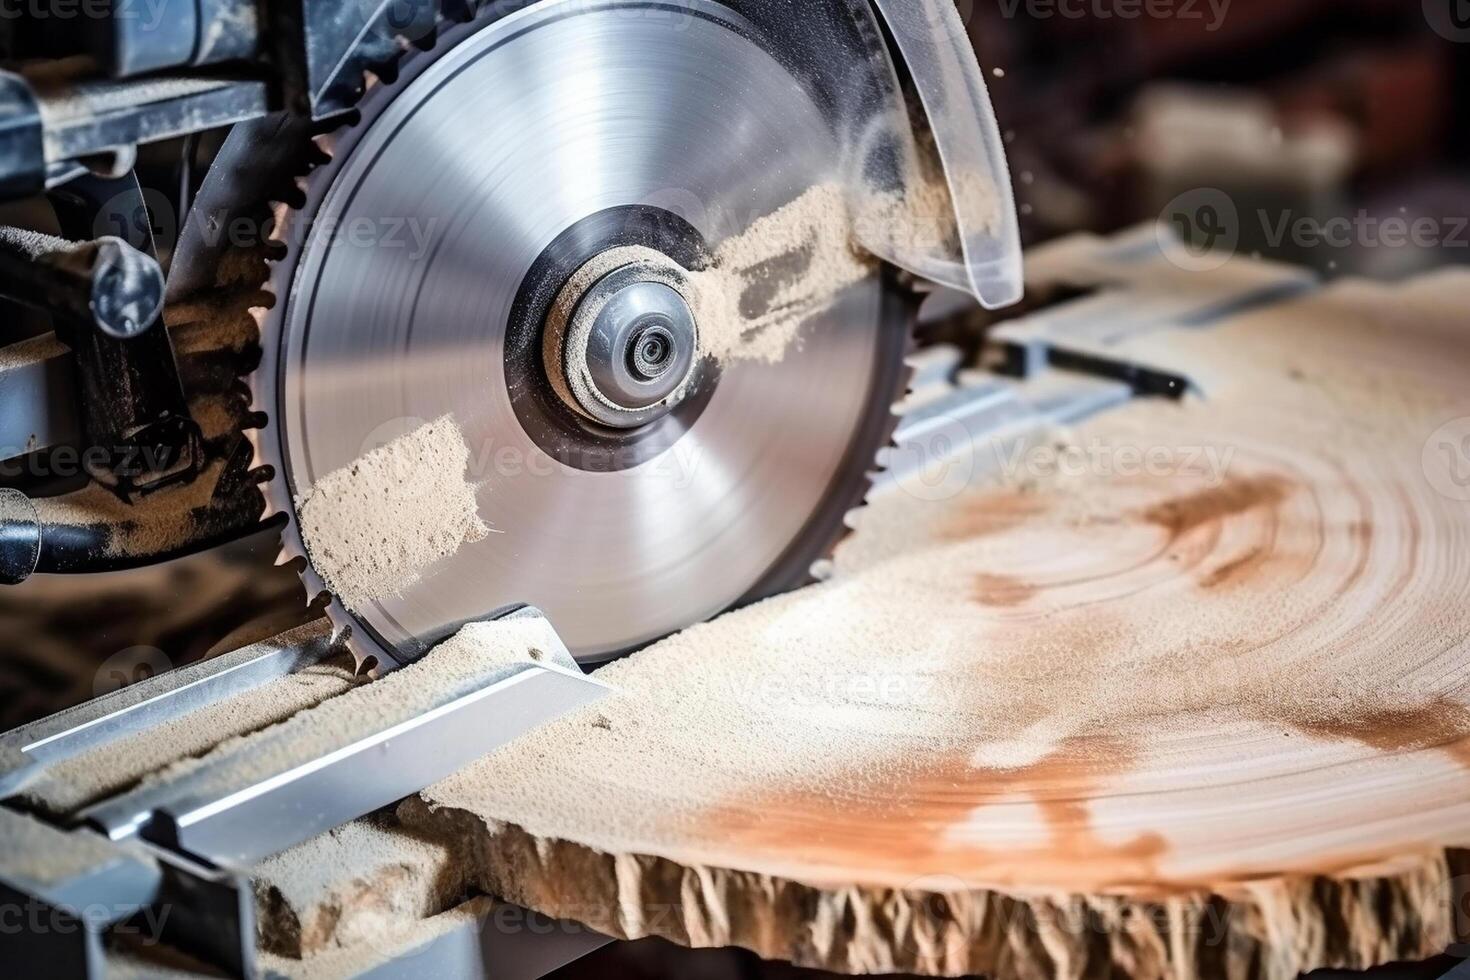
point(181, 842)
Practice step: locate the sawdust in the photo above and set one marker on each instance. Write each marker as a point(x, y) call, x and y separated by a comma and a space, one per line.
point(794, 263)
point(359, 959)
point(375, 527)
point(212, 323)
point(69, 785)
point(765, 282)
point(920, 220)
point(453, 669)
point(36, 350)
point(364, 882)
point(154, 524)
point(219, 415)
point(47, 856)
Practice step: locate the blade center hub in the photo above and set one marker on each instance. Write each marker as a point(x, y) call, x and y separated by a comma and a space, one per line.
point(629, 347)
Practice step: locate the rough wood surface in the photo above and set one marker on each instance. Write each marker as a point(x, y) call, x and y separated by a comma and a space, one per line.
point(1184, 692)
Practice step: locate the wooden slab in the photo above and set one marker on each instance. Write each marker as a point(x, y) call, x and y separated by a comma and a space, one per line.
point(1185, 692)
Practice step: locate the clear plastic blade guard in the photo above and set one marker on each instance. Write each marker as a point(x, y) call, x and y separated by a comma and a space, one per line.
point(969, 242)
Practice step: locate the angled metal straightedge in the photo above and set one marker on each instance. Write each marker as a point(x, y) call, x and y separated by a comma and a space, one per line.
point(26, 751)
point(263, 794)
point(178, 846)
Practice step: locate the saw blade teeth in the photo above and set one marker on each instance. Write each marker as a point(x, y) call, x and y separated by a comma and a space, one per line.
point(284, 248)
point(280, 218)
point(290, 217)
point(826, 568)
point(290, 552)
point(368, 659)
point(313, 581)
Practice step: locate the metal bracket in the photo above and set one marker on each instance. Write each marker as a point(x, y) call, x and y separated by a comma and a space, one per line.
point(66, 889)
point(22, 153)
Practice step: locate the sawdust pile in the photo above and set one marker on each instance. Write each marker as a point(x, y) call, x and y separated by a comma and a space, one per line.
point(154, 524)
point(354, 885)
point(112, 767)
point(373, 528)
point(48, 856)
point(451, 670)
point(920, 222)
point(765, 282)
point(363, 958)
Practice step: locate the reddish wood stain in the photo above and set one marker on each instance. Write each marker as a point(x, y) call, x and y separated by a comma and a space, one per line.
point(1440, 724)
point(914, 822)
point(1231, 499)
point(992, 513)
point(1235, 570)
point(1001, 590)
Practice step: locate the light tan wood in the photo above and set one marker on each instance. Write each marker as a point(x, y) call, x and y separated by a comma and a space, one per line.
point(1207, 717)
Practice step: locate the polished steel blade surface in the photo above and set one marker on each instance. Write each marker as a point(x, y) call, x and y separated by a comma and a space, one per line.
point(476, 160)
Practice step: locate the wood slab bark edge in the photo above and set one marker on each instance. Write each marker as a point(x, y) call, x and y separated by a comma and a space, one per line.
point(1275, 929)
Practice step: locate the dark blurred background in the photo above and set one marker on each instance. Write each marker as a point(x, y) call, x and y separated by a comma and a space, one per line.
point(1314, 109)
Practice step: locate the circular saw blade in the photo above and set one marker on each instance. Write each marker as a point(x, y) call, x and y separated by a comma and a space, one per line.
point(477, 157)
